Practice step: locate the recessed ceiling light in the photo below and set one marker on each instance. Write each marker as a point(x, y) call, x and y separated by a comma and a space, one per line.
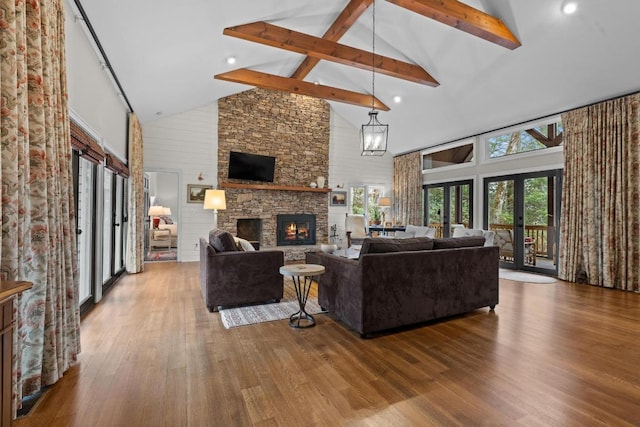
point(316, 82)
point(231, 60)
point(397, 99)
point(569, 7)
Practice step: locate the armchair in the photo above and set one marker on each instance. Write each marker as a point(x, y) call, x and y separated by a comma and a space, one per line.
point(355, 227)
point(229, 276)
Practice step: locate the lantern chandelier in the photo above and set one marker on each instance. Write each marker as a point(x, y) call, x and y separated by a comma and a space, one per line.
point(374, 134)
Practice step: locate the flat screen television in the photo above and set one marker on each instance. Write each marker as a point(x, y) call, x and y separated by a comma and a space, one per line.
point(252, 167)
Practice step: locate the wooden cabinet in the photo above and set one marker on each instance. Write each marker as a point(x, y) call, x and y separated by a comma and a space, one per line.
point(8, 290)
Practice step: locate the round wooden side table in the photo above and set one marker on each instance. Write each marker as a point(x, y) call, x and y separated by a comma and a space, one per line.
point(302, 276)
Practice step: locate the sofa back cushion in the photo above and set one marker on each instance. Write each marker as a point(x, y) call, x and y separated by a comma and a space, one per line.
point(458, 242)
point(381, 245)
point(222, 241)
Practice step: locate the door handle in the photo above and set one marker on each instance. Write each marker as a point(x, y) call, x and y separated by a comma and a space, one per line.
point(78, 232)
point(116, 225)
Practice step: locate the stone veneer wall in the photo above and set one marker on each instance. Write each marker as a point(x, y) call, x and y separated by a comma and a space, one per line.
point(295, 130)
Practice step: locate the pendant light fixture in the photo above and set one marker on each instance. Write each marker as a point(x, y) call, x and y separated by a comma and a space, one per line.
point(374, 134)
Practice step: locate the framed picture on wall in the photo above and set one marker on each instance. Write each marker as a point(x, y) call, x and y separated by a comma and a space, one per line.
point(195, 192)
point(338, 198)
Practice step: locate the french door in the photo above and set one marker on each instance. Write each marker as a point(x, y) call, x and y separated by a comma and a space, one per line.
point(524, 212)
point(448, 205)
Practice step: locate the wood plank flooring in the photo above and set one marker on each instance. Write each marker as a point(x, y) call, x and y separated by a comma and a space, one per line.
point(152, 355)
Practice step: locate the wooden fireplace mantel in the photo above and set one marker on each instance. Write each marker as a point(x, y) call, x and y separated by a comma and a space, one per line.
point(273, 187)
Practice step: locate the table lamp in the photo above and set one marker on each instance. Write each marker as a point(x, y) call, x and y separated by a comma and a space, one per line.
point(155, 212)
point(215, 199)
point(384, 202)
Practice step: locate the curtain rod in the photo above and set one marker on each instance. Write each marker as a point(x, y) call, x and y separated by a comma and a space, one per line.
point(104, 55)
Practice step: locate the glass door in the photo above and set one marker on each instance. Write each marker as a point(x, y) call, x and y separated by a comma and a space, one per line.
point(84, 191)
point(107, 227)
point(524, 212)
point(448, 205)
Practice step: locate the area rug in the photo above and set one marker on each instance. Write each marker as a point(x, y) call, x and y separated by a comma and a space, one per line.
point(252, 314)
point(162, 255)
point(520, 276)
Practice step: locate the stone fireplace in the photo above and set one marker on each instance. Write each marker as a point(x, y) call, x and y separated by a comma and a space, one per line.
point(295, 130)
point(296, 229)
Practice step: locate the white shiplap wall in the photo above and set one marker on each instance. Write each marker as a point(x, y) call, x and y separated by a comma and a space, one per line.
point(347, 167)
point(186, 144)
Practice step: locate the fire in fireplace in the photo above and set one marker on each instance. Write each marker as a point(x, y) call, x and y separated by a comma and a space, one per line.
point(297, 229)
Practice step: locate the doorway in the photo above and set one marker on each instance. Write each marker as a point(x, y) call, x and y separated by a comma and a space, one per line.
point(524, 212)
point(162, 237)
point(448, 205)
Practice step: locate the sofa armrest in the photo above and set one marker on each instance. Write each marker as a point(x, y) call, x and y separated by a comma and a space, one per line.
point(340, 272)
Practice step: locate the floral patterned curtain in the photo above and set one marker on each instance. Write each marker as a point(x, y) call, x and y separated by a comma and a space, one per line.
point(134, 259)
point(407, 188)
point(600, 226)
point(38, 230)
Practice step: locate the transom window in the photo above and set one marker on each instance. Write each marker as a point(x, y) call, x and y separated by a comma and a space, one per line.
point(546, 135)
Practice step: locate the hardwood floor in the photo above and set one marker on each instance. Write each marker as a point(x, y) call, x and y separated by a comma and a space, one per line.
point(152, 355)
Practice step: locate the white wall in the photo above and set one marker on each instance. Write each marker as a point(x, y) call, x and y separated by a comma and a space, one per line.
point(92, 95)
point(347, 167)
point(186, 144)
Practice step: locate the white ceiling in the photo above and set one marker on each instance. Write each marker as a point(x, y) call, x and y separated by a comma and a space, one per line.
point(165, 54)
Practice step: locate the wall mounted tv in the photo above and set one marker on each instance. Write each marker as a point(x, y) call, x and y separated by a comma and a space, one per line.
point(252, 167)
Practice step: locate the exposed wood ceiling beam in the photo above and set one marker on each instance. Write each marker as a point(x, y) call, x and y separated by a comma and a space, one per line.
point(286, 84)
point(340, 26)
point(553, 140)
point(465, 18)
point(272, 35)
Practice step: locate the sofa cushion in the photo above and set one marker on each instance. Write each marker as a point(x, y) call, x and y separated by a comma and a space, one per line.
point(420, 231)
point(222, 241)
point(458, 242)
point(381, 245)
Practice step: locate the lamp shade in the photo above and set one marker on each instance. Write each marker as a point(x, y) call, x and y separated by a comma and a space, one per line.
point(384, 201)
point(215, 199)
point(166, 211)
point(156, 211)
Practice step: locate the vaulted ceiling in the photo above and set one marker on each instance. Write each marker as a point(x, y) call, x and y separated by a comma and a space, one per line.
point(454, 82)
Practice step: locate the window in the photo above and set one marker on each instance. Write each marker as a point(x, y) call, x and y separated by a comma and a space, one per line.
point(459, 153)
point(545, 135)
point(364, 200)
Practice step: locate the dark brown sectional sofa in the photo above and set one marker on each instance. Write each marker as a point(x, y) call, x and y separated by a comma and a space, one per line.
point(400, 282)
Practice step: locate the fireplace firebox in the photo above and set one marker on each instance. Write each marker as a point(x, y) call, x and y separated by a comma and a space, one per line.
point(250, 229)
point(299, 229)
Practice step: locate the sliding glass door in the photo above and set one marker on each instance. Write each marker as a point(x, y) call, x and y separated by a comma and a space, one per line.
point(524, 212)
point(448, 205)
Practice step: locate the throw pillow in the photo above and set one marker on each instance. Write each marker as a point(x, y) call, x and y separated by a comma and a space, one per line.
point(222, 241)
point(458, 242)
point(420, 231)
point(243, 245)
